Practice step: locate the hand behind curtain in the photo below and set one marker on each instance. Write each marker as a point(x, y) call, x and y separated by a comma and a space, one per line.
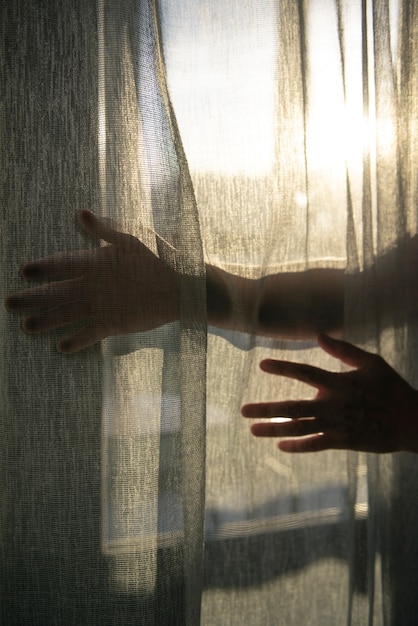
point(118, 289)
point(124, 288)
point(370, 408)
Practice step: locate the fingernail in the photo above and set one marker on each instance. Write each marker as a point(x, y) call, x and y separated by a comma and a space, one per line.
point(11, 302)
point(29, 271)
point(85, 215)
point(30, 324)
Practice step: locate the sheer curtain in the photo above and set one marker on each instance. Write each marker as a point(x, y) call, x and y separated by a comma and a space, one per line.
point(261, 138)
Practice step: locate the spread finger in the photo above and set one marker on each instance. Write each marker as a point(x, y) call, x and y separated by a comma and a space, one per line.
point(316, 443)
point(314, 376)
point(87, 336)
point(55, 318)
point(289, 408)
point(45, 296)
point(289, 428)
point(65, 264)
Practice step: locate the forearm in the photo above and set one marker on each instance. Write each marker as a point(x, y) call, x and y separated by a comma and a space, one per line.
point(294, 305)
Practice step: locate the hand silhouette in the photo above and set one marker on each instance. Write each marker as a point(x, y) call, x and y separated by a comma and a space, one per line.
point(117, 289)
point(370, 408)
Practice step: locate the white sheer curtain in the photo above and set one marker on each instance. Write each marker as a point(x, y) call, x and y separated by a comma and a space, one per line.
point(262, 138)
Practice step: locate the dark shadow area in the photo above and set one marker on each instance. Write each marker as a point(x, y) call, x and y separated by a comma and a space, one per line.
point(249, 561)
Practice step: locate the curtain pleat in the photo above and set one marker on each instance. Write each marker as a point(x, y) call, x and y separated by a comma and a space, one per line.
point(155, 433)
point(378, 309)
point(52, 570)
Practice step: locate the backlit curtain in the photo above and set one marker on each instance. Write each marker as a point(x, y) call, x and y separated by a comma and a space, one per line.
point(261, 138)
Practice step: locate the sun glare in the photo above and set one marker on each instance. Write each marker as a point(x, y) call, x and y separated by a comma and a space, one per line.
point(223, 85)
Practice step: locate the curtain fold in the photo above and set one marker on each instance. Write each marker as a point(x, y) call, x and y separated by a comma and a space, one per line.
point(378, 300)
point(97, 448)
point(261, 138)
point(50, 410)
point(154, 436)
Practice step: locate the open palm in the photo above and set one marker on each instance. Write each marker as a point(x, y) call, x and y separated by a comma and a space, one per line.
point(369, 408)
point(117, 289)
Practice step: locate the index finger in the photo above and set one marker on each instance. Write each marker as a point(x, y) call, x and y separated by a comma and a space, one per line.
point(345, 351)
point(68, 264)
point(314, 376)
point(100, 228)
point(44, 296)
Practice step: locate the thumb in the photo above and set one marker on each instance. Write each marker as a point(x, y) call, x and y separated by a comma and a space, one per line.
point(345, 351)
point(100, 228)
